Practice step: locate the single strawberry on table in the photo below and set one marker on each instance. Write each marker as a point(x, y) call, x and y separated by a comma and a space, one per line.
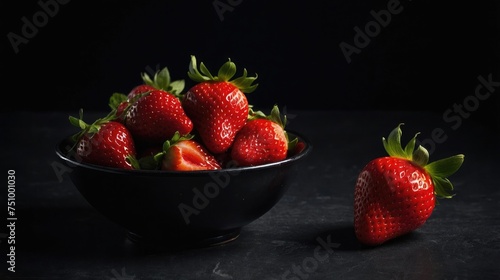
point(396, 194)
point(181, 153)
point(104, 142)
point(263, 139)
point(217, 105)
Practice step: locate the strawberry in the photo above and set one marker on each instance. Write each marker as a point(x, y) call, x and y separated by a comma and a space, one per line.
point(161, 80)
point(262, 139)
point(396, 194)
point(156, 116)
point(182, 153)
point(105, 142)
point(217, 105)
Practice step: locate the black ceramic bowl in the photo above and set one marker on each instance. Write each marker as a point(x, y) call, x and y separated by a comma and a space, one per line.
point(194, 208)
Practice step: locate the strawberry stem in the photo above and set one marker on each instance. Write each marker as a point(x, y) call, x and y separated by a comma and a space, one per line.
point(225, 74)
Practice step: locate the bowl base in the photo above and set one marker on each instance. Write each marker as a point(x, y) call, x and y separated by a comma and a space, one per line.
point(184, 243)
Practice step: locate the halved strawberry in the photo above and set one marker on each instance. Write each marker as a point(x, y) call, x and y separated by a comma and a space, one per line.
point(262, 139)
point(105, 142)
point(182, 153)
point(217, 105)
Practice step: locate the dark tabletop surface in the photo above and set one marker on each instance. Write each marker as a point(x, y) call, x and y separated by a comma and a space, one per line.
point(307, 235)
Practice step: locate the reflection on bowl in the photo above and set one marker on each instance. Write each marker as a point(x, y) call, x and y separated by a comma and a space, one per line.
point(183, 209)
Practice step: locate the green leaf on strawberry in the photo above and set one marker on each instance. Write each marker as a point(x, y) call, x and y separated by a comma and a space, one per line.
point(116, 99)
point(217, 105)
point(225, 74)
point(396, 194)
point(86, 128)
point(438, 170)
point(162, 80)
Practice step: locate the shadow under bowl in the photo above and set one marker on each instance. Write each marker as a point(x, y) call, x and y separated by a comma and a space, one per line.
point(183, 209)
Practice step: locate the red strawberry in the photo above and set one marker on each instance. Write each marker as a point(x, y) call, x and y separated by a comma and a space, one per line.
point(156, 116)
point(182, 153)
point(104, 142)
point(217, 105)
point(396, 194)
point(161, 80)
point(262, 139)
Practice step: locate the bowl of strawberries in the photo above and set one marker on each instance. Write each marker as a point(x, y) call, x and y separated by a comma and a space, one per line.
point(184, 169)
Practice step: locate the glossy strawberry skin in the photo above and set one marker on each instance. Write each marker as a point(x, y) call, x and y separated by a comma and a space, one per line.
point(109, 147)
point(260, 141)
point(188, 155)
point(218, 111)
point(392, 197)
point(155, 118)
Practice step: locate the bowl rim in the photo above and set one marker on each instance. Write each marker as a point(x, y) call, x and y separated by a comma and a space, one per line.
point(71, 161)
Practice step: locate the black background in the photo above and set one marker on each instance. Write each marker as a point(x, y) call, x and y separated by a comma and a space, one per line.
point(427, 57)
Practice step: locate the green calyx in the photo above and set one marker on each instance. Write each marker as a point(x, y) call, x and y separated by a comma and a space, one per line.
point(86, 128)
point(225, 74)
point(438, 170)
point(116, 99)
point(274, 115)
point(162, 80)
point(177, 137)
